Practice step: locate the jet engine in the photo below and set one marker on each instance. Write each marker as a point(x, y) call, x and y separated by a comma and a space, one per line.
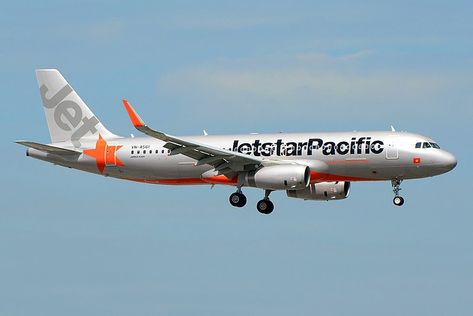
point(279, 177)
point(322, 191)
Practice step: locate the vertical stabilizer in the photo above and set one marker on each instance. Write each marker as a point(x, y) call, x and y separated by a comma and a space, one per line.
point(68, 117)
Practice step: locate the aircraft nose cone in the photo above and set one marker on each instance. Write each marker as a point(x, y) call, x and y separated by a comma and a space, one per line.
point(448, 161)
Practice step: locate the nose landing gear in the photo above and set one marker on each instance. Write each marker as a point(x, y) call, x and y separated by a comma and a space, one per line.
point(398, 200)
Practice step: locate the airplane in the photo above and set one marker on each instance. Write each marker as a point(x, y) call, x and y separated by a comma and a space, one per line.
point(309, 166)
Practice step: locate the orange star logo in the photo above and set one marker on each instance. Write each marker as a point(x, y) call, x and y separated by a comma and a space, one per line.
point(104, 154)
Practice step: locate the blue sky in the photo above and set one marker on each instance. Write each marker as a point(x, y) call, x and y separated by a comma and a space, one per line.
point(73, 243)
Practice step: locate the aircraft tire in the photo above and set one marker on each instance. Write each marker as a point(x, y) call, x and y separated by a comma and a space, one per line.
point(265, 206)
point(398, 200)
point(237, 199)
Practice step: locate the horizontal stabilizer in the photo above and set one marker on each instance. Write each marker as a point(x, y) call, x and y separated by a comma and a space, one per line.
point(50, 149)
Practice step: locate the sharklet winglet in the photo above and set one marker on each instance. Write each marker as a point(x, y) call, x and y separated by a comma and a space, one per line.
point(134, 117)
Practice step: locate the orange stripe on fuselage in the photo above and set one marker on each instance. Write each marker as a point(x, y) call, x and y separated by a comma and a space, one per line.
point(189, 181)
point(316, 177)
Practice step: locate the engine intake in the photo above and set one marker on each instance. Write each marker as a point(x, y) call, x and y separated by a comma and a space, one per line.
point(322, 191)
point(279, 177)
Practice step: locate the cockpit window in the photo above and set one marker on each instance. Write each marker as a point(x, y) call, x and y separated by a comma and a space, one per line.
point(427, 145)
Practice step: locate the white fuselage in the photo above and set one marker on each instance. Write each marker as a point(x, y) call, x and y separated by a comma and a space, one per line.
point(345, 156)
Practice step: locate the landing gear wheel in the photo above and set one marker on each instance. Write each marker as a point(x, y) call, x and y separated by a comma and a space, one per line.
point(396, 184)
point(265, 206)
point(398, 200)
point(237, 199)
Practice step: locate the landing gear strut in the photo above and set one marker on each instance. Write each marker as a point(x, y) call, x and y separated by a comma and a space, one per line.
point(265, 206)
point(398, 200)
point(238, 199)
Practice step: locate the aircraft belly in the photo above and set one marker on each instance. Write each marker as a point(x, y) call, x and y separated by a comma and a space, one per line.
point(364, 168)
point(162, 167)
point(381, 172)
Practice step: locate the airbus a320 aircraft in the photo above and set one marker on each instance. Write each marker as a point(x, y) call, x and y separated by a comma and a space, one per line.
point(309, 166)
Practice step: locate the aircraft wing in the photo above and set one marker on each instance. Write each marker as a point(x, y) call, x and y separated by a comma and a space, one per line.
point(224, 161)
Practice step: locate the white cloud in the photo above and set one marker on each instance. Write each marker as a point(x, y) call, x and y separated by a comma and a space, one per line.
point(304, 80)
point(324, 58)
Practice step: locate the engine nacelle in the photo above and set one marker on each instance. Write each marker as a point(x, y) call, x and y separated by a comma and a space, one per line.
point(279, 177)
point(322, 191)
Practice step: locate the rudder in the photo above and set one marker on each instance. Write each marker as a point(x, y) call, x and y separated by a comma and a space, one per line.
point(68, 117)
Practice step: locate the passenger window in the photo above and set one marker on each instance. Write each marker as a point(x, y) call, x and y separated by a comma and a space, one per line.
point(138, 152)
point(132, 152)
point(426, 145)
point(418, 145)
point(157, 151)
point(162, 152)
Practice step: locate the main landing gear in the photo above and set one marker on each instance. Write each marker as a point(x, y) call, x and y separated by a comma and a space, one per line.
point(398, 200)
point(264, 206)
point(238, 199)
